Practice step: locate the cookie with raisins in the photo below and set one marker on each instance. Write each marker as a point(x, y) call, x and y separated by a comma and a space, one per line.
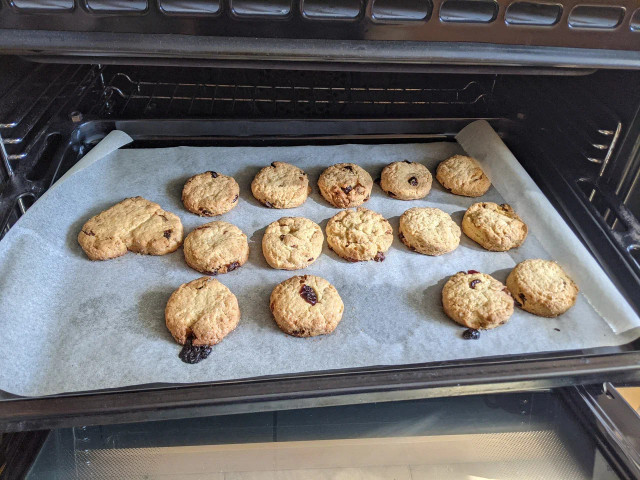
point(359, 235)
point(210, 193)
point(495, 227)
point(291, 243)
point(345, 185)
point(281, 185)
point(463, 175)
point(406, 180)
point(216, 247)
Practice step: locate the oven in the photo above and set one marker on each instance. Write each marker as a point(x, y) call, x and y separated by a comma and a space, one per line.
point(558, 81)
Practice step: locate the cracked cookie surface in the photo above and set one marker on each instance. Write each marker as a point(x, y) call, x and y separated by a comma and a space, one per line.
point(306, 306)
point(429, 231)
point(204, 310)
point(495, 227)
point(210, 193)
point(345, 185)
point(291, 243)
point(359, 235)
point(216, 247)
point(281, 185)
point(406, 180)
point(463, 175)
point(135, 224)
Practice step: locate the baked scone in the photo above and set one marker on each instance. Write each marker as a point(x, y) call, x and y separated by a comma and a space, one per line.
point(406, 180)
point(216, 247)
point(476, 300)
point(463, 175)
point(281, 185)
point(542, 287)
point(359, 235)
point(306, 306)
point(429, 231)
point(203, 310)
point(495, 227)
point(135, 224)
point(292, 243)
point(210, 193)
point(345, 185)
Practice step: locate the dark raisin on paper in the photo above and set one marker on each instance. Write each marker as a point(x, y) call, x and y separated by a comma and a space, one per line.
point(346, 190)
point(273, 164)
point(214, 174)
point(557, 329)
point(471, 334)
point(406, 161)
point(379, 257)
point(473, 283)
point(235, 199)
point(471, 272)
point(308, 294)
point(413, 181)
point(193, 354)
point(167, 233)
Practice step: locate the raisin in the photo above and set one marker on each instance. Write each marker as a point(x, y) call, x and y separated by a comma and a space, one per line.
point(309, 294)
point(522, 297)
point(310, 260)
point(348, 167)
point(232, 266)
point(346, 190)
point(471, 334)
point(167, 233)
point(273, 164)
point(235, 199)
point(406, 161)
point(474, 283)
point(90, 233)
point(517, 303)
point(413, 181)
point(193, 354)
point(282, 237)
point(379, 257)
point(352, 260)
point(204, 211)
point(557, 329)
point(401, 236)
point(214, 174)
point(472, 271)
point(268, 204)
point(391, 194)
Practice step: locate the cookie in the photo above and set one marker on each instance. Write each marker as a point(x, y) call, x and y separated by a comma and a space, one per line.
point(359, 235)
point(476, 300)
point(203, 310)
point(495, 227)
point(216, 247)
point(542, 288)
point(429, 231)
point(345, 185)
point(406, 180)
point(463, 175)
point(135, 224)
point(306, 306)
point(281, 185)
point(292, 243)
point(210, 193)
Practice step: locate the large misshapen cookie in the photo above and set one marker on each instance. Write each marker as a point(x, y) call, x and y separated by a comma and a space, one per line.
point(495, 227)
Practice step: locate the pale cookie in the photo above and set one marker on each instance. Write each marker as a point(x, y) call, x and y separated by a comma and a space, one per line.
point(203, 310)
point(216, 247)
point(281, 185)
point(476, 300)
point(495, 227)
point(345, 185)
point(463, 175)
point(542, 288)
point(358, 235)
point(429, 231)
point(292, 243)
point(210, 193)
point(135, 224)
point(406, 180)
point(306, 306)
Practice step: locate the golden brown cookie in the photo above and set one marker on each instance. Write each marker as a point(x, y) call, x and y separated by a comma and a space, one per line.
point(281, 185)
point(292, 243)
point(542, 288)
point(345, 185)
point(210, 193)
point(495, 227)
point(306, 306)
point(463, 175)
point(216, 247)
point(135, 224)
point(429, 231)
point(406, 180)
point(359, 235)
point(476, 300)
point(203, 310)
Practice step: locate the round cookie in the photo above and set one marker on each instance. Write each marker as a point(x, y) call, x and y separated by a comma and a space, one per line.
point(358, 235)
point(345, 185)
point(210, 193)
point(476, 300)
point(542, 288)
point(306, 306)
point(429, 231)
point(216, 247)
point(281, 185)
point(204, 310)
point(497, 228)
point(135, 225)
point(292, 243)
point(463, 175)
point(406, 180)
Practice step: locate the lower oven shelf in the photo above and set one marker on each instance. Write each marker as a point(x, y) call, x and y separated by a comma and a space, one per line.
point(373, 384)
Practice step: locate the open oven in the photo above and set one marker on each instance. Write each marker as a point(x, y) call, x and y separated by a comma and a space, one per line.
point(558, 81)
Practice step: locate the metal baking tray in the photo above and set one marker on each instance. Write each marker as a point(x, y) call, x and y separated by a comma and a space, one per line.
point(371, 384)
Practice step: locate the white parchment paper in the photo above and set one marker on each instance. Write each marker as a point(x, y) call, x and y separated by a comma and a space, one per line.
point(69, 324)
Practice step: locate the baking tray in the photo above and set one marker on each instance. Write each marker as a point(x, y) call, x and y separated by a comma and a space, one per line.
point(370, 384)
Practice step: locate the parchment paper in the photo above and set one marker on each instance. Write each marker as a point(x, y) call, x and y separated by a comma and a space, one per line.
point(69, 324)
